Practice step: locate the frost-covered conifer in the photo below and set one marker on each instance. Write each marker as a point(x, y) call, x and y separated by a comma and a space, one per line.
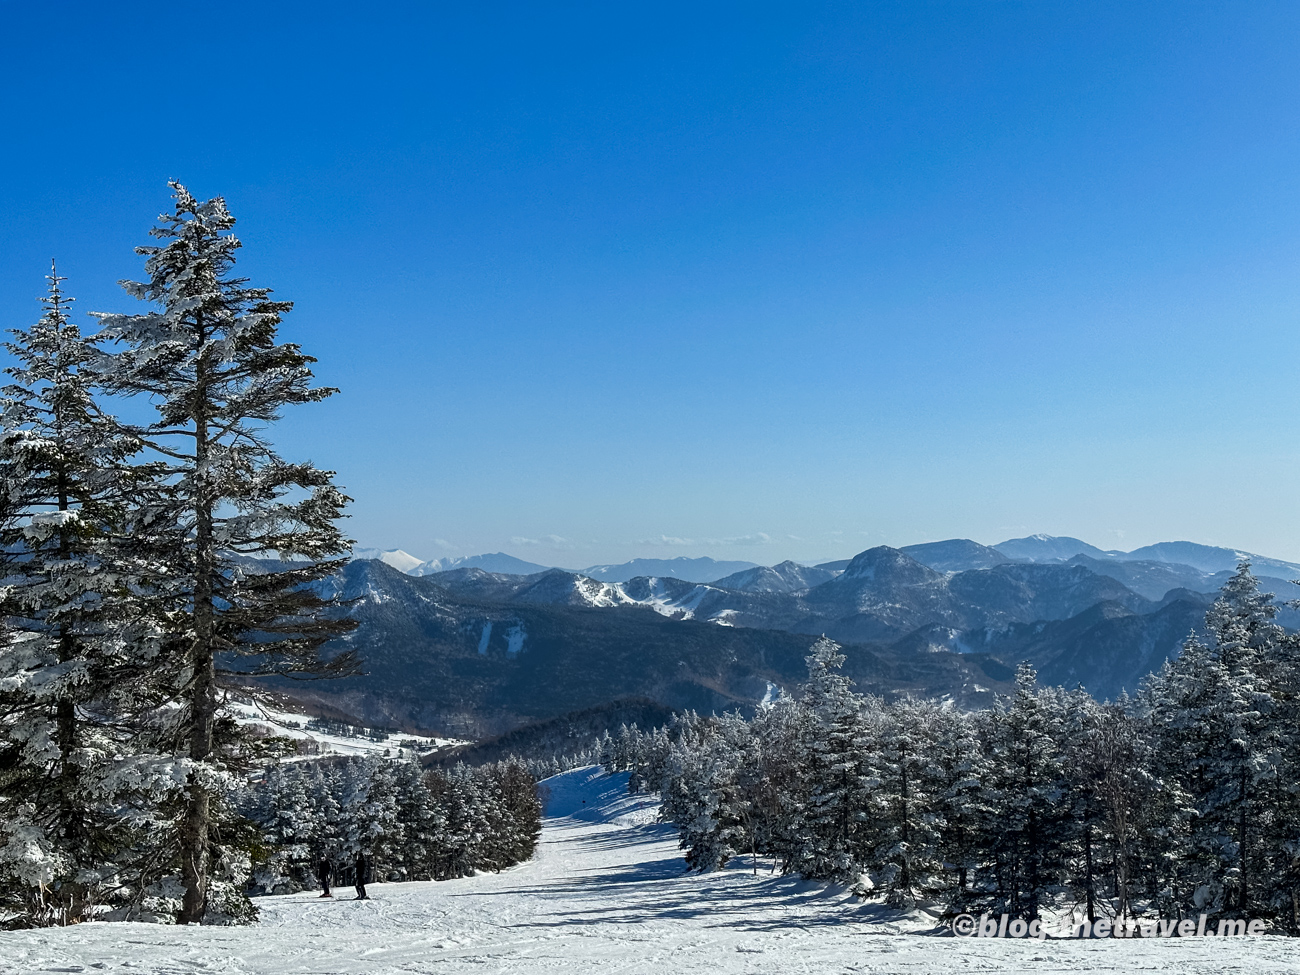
point(1025, 842)
point(523, 811)
point(414, 825)
point(828, 826)
point(705, 793)
point(784, 779)
point(907, 785)
point(961, 806)
point(74, 663)
point(1220, 739)
point(208, 360)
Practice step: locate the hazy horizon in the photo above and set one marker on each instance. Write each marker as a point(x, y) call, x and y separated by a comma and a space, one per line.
point(695, 553)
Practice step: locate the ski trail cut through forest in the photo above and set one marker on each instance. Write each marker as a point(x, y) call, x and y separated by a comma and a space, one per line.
point(606, 893)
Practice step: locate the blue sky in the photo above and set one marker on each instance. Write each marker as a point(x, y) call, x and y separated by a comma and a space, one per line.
point(747, 281)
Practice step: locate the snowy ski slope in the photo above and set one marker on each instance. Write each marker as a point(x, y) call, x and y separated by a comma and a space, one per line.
point(605, 894)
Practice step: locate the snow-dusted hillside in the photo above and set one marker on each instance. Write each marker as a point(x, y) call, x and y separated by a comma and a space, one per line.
point(606, 893)
point(289, 724)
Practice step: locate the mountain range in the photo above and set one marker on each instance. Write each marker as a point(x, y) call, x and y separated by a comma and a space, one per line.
point(468, 651)
point(952, 555)
point(1206, 558)
point(404, 562)
point(466, 663)
point(696, 570)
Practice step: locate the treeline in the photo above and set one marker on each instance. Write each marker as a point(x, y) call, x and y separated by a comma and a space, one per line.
point(557, 744)
point(411, 824)
point(1184, 799)
point(125, 590)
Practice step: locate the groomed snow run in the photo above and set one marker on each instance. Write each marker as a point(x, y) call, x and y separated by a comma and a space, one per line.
point(607, 893)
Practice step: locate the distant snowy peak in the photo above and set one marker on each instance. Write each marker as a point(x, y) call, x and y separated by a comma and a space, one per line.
point(399, 560)
point(497, 562)
point(558, 587)
point(674, 598)
point(1049, 548)
point(1212, 558)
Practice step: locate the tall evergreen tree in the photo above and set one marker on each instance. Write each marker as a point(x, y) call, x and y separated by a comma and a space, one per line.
point(705, 794)
point(830, 840)
point(79, 636)
point(1110, 796)
point(208, 360)
point(1222, 742)
point(1026, 780)
point(961, 804)
point(908, 785)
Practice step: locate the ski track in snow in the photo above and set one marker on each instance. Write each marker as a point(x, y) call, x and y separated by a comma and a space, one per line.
point(607, 893)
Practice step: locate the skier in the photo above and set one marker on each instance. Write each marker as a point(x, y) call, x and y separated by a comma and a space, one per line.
point(362, 869)
point(323, 874)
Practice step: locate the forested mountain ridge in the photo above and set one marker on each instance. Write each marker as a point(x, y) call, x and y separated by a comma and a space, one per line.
point(882, 595)
point(438, 660)
point(472, 653)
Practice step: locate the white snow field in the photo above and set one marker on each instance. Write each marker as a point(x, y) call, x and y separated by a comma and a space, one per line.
point(290, 724)
point(606, 893)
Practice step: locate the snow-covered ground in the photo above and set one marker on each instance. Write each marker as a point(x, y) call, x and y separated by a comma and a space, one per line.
point(287, 724)
point(605, 894)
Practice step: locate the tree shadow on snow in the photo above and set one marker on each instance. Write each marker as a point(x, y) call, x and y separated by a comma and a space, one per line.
point(721, 899)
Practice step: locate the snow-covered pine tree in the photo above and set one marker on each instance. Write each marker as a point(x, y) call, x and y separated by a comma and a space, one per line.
point(1280, 834)
point(461, 836)
point(828, 826)
point(370, 804)
point(605, 751)
point(419, 820)
point(1160, 814)
point(704, 793)
point(1215, 712)
point(1111, 795)
point(1026, 838)
point(652, 761)
point(785, 781)
point(523, 810)
point(906, 786)
point(283, 806)
point(74, 665)
point(961, 807)
point(209, 361)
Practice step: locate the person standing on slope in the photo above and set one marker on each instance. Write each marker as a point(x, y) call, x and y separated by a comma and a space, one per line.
point(362, 871)
point(323, 871)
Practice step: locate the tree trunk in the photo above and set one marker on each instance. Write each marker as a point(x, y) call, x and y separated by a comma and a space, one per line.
point(65, 720)
point(1242, 897)
point(198, 807)
point(905, 875)
point(1088, 872)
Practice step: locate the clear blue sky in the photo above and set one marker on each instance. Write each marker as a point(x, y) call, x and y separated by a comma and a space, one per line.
point(754, 282)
